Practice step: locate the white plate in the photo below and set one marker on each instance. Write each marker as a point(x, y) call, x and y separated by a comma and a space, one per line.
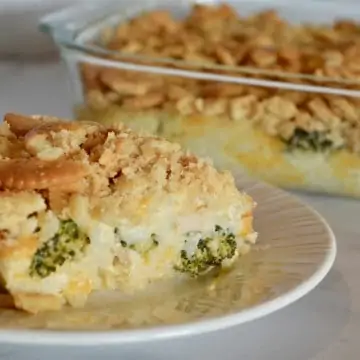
point(295, 250)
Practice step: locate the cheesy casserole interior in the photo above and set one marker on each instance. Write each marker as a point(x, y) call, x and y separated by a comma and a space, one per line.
point(85, 207)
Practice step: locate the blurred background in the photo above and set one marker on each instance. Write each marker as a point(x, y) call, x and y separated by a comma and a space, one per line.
point(29, 65)
point(19, 35)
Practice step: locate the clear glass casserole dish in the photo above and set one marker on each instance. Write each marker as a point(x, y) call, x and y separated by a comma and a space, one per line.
point(269, 88)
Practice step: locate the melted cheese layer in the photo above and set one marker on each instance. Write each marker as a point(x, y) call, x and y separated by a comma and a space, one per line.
point(106, 263)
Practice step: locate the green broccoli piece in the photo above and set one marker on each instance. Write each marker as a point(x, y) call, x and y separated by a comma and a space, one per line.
point(210, 252)
point(313, 141)
point(142, 248)
point(65, 245)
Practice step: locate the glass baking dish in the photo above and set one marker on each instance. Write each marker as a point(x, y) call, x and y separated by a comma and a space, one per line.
point(286, 110)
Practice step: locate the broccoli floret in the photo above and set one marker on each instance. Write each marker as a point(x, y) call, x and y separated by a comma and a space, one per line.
point(65, 245)
point(142, 248)
point(123, 243)
point(314, 141)
point(210, 252)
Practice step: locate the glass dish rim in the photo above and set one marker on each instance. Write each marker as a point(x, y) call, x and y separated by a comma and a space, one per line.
point(64, 27)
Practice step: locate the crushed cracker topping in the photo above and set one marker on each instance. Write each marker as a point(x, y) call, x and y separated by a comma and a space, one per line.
point(117, 155)
point(218, 35)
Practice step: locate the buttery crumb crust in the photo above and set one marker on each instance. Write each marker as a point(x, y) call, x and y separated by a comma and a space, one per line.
point(86, 157)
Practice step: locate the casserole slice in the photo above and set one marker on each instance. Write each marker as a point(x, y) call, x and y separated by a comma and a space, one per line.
point(85, 207)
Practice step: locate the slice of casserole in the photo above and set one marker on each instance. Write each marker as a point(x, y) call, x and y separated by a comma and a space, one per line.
point(84, 207)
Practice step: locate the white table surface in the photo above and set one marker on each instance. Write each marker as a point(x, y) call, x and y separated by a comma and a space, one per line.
point(324, 325)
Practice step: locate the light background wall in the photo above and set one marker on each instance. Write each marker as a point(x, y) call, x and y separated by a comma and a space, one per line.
point(18, 25)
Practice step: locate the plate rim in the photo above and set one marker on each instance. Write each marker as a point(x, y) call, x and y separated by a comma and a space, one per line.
point(197, 327)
